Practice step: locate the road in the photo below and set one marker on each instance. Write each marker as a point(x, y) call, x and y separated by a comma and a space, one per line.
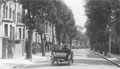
point(83, 59)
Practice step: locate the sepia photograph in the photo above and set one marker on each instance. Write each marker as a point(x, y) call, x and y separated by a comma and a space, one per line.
point(59, 34)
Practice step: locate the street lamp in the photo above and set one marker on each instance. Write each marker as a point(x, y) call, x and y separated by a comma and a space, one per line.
point(112, 20)
point(109, 53)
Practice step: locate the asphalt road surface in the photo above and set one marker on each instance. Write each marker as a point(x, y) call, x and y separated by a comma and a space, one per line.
point(83, 59)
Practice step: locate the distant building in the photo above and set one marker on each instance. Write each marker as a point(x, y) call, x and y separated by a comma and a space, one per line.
point(79, 28)
point(79, 43)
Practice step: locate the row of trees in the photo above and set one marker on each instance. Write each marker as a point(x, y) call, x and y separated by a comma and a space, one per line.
point(102, 16)
point(55, 12)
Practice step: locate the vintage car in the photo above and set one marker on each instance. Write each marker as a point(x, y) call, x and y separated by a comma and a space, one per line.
point(62, 56)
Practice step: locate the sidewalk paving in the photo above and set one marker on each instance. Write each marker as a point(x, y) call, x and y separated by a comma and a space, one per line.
point(115, 59)
point(21, 61)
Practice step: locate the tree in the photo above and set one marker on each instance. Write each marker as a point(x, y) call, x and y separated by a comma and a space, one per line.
point(38, 12)
point(115, 22)
point(116, 8)
point(30, 24)
point(40, 28)
point(72, 32)
point(48, 16)
point(60, 28)
point(98, 13)
point(66, 23)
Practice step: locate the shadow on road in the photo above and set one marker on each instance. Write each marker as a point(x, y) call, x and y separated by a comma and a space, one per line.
point(92, 62)
point(89, 58)
point(36, 65)
point(47, 61)
point(42, 64)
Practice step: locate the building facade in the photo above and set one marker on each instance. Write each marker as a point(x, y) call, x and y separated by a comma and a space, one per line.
point(14, 33)
point(12, 29)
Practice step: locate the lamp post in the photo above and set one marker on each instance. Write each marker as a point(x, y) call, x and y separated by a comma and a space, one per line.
point(112, 20)
point(109, 53)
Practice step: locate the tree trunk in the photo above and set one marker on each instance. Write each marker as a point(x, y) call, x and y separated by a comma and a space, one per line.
point(95, 47)
point(29, 45)
point(53, 46)
point(101, 47)
point(43, 45)
point(91, 46)
point(53, 41)
point(48, 47)
point(70, 44)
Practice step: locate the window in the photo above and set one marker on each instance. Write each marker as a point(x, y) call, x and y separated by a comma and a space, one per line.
point(14, 15)
point(3, 11)
point(23, 33)
point(6, 30)
point(36, 37)
point(19, 33)
point(13, 35)
point(18, 17)
point(10, 31)
point(10, 13)
point(6, 11)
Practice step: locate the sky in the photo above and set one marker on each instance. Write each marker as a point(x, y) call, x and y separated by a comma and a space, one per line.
point(78, 11)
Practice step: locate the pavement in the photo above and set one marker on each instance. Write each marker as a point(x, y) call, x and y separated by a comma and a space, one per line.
point(21, 61)
point(115, 59)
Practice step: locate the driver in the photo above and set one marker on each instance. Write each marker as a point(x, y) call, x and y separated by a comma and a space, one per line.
point(65, 47)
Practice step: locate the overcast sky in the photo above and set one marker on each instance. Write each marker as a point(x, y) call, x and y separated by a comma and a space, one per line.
point(78, 11)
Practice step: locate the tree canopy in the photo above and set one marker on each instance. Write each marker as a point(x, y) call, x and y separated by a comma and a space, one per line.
point(54, 11)
point(101, 18)
point(98, 12)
